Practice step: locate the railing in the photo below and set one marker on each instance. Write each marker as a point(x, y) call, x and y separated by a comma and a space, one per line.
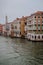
point(29, 23)
point(42, 27)
point(34, 28)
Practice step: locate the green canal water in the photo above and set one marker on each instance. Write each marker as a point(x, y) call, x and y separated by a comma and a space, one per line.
point(18, 51)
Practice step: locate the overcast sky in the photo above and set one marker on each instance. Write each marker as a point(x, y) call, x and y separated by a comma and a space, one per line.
point(18, 8)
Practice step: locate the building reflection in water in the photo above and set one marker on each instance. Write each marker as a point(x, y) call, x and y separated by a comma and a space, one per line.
point(37, 51)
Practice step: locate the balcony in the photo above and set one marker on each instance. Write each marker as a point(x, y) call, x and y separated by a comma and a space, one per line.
point(29, 23)
point(42, 27)
point(38, 22)
point(34, 28)
point(34, 23)
point(38, 28)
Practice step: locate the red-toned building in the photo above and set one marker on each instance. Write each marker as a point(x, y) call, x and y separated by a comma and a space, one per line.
point(1, 29)
point(35, 26)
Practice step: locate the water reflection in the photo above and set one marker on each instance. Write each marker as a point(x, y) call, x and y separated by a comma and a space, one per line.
point(37, 51)
point(20, 52)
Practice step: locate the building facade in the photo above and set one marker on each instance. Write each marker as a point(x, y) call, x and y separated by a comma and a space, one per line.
point(23, 26)
point(30, 27)
point(35, 26)
point(15, 30)
point(7, 29)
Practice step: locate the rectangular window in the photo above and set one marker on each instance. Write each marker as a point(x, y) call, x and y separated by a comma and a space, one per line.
point(42, 21)
point(38, 16)
point(42, 16)
point(38, 27)
point(35, 16)
point(42, 27)
point(15, 27)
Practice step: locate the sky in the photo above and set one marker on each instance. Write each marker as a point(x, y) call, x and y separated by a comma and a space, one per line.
point(18, 8)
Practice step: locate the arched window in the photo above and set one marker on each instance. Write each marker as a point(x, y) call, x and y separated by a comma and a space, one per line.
point(25, 23)
point(38, 37)
point(20, 33)
point(35, 16)
point(42, 37)
point(32, 36)
point(35, 37)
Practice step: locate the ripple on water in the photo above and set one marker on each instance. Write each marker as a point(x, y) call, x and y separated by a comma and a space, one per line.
point(20, 52)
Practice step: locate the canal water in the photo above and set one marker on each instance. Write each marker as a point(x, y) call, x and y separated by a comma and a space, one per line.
point(18, 51)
